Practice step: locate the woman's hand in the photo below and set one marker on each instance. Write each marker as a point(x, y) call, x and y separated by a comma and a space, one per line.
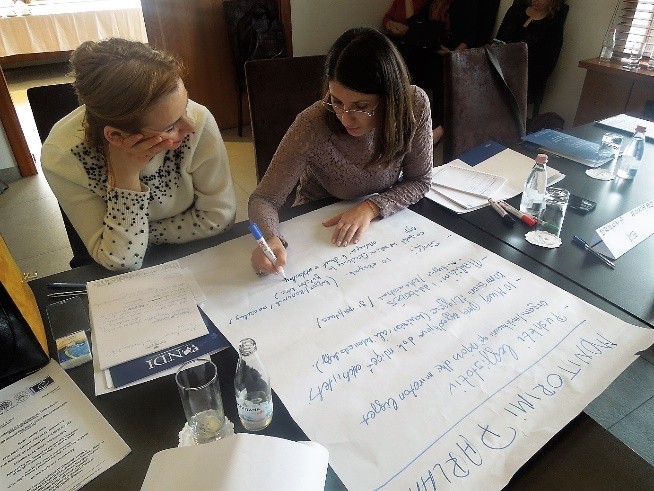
point(396, 28)
point(129, 155)
point(351, 225)
point(262, 265)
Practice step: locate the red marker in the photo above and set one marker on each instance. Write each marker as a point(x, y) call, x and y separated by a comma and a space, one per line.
point(528, 219)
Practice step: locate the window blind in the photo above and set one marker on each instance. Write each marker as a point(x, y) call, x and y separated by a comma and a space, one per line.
point(633, 22)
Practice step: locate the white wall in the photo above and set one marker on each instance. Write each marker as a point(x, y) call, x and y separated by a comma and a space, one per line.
point(317, 23)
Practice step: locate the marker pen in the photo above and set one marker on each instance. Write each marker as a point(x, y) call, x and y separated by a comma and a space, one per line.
point(528, 219)
point(506, 218)
point(256, 233)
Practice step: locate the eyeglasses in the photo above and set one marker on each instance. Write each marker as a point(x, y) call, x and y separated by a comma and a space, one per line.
point(338, 110)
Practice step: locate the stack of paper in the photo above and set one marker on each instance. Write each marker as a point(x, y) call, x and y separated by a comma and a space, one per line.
point(145, 323)
point(465, 186)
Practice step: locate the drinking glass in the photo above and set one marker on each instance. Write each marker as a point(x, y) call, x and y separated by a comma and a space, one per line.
point(556, 204)
point(197, 381)
point(634, 50)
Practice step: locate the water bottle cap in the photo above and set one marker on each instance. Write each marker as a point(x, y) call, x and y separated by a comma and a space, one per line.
point(247, 346)
point(541, 158)
point(640, 129)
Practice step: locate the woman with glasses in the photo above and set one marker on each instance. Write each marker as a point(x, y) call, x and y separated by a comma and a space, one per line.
point(370, 137)
point(138, 163)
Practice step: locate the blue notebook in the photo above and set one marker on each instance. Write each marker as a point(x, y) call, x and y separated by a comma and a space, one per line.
point(568, 146)
point(143, 367)
point(481, 152)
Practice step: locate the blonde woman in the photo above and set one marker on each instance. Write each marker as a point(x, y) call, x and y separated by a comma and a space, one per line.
point(138, 163)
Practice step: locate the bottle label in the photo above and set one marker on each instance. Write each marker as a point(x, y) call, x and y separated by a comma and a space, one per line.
point(254, 411)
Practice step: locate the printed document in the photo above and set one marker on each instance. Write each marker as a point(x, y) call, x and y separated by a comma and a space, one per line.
point(138, 313)
point(51, 436)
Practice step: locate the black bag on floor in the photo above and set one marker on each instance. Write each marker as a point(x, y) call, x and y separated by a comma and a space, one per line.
point(20, 352)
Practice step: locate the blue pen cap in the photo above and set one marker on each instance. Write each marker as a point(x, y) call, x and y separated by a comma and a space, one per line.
point(255, 231)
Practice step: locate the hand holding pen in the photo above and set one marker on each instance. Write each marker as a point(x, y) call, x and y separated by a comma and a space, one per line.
point(277, 259)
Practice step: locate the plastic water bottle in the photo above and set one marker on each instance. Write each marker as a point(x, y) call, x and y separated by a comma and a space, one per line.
point(533, 195)
point(608, 46)
point(633, 155)
point(252, 386)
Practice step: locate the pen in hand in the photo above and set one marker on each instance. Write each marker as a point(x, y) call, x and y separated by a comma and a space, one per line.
point(584, 245)
point(256, 233)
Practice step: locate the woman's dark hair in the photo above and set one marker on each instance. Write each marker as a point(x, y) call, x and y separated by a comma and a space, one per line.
point(365, 60)
point(118, 81)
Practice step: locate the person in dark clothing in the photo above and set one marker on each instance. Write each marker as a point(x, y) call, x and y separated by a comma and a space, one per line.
point(535, 23)
point(456, 20)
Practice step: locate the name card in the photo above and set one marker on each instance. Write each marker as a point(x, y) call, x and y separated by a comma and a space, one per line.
point(628, 230)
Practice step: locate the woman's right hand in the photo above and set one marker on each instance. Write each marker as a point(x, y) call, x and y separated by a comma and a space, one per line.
point(129, 155)
point(262, 265)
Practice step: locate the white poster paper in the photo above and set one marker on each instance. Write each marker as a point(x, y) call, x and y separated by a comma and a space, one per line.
point(51, 436)
point(416, 357)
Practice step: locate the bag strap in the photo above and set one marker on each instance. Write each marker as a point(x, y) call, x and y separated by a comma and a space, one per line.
point(515, 107)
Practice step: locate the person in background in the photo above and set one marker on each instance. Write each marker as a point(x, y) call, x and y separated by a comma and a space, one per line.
point(456, 21)
point(138, 163)
point(534, 22)
point(369, 137)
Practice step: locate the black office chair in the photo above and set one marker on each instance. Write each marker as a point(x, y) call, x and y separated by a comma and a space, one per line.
point(278, 90)
point(254, 32)
point(49, 104)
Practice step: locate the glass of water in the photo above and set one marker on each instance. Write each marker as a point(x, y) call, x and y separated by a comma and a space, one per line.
point(198, 385)
point(634, 51)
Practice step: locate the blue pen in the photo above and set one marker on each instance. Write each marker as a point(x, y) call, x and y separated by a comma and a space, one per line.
point(256, 233)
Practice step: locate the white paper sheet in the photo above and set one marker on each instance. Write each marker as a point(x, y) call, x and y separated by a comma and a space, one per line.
point(51, 436)
point(240, 461)
point(138, 313)
point(416, 355)
point(625, 232)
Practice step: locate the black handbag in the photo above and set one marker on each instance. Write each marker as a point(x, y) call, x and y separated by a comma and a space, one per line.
point(20, 351)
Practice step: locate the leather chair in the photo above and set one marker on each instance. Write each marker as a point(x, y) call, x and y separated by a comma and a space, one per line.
point(478, 105)
point(49, 104)
point(278, 90)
